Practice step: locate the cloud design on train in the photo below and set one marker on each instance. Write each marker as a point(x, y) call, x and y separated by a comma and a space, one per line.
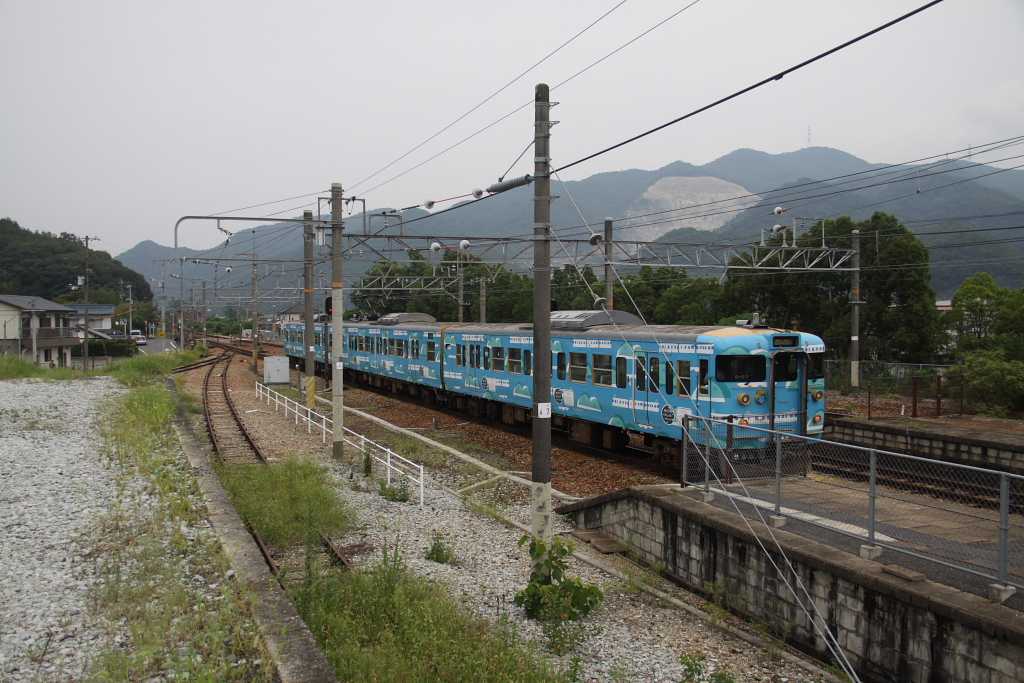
point(587, 402)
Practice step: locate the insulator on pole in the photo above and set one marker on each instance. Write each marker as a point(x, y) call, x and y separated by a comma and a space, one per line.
point(510, 184)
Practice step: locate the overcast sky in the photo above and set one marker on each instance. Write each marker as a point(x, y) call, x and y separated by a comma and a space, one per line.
point(118, 117)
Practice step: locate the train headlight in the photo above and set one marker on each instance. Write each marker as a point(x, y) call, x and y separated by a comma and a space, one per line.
point(818, 395)
point(817, 419)
point(744, 422)
point(744, 399)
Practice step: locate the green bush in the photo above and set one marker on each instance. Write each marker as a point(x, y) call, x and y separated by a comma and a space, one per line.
point(550, 595)
point(992, 383)
point(396, 494)
point(440, 550)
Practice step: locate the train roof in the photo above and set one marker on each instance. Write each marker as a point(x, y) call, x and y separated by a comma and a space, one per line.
point(587, 324)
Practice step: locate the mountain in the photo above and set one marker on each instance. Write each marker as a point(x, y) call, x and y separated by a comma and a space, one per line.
point(928, 197)
point(48, 265)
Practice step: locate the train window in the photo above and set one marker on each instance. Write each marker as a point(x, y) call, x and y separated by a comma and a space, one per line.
point(487, 358)
point(641, 374)
point(785, 368)
point(602, 370)
point(498, 359)
point(460, 354)
point(474, 356)
point(702, 379)
point(414, 348)
point(739, 369)
point(560, 361)
point(654, 363)
point(515, 361)
point(815, 365)
point(578, 367)
point(527, 361)
point(670, 381)
point(431, 351)
point(683, 376)
point(620, 372)
point(405, 348)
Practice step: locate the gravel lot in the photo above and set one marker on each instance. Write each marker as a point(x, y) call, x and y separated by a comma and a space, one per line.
point(53, 486)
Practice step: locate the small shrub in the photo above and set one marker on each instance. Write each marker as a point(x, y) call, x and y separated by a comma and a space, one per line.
point(440, 550)
point(564, 636)
point(551, 595)
point(396, 494)
point(693, 667)
point(722, 676)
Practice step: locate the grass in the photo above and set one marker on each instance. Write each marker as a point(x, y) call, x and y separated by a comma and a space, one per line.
point(399, 493)
point(161, 588)
point(386, 624)
point(440, 549)
point(287, 503)
point(134, 371)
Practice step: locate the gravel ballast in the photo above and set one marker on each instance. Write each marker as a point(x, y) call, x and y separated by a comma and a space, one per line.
point(53, 486)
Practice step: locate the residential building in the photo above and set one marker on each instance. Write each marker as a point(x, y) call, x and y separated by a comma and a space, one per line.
point(292, 314)
point(99, 317)
point(37, 329)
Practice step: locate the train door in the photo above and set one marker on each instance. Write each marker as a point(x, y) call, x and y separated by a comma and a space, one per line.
point(789, 392)
point(642, 381)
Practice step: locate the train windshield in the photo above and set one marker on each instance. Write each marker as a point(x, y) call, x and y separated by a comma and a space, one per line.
point(815, 365)
point(739, 368)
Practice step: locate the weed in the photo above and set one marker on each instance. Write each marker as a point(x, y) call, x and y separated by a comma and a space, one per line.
point(288, 503)
point(722, 676)
point(551, 595)
point(440, 550)
point(693, 667)
point(564, 636)
point(396, 494)
point(387, 624)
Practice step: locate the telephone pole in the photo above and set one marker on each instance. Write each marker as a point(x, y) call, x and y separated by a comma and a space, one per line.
point(483, 299)
point(540, 493)
point(462, 301)
point(609, 282)
point(85, 302)
point(337, 348)
point(307, 291)
point(181, 299)
point(255, 308)
point(204, 313)
point(855, 312)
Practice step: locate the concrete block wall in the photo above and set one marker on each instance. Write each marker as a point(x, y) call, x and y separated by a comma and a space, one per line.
point(889, 628)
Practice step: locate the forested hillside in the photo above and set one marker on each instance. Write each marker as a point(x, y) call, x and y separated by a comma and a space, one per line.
point(44, 264)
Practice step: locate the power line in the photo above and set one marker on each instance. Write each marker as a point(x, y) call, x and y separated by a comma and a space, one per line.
point(490, 97)
point(754, 86)
point(530, 102)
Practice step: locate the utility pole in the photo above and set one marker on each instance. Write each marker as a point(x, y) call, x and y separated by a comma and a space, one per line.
point(85, 296)
point(855, 312)
point(483, 299)
point(204, 313)
point(462, 301)
point(307, 291)
point(255, 308)
point(130, 302)
point(540, 491)
point(609, 282)
point(181, 302)
point(337, 348)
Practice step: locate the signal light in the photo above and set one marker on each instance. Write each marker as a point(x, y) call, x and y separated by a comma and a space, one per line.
point(328, 306)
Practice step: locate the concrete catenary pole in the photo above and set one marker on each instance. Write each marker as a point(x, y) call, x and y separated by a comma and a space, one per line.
point(609, 280)
point(337, 351)
point(255, 309)
point(181, 301)
point(85, 296)
point(307, 300)
point(483, 299)
point(855, 312)
point(462, 300)
point(540, 493)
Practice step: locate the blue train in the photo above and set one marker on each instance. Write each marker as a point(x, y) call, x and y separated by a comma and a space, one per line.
point(615, 381)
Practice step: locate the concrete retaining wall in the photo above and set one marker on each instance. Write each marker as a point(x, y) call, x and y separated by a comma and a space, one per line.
point(891, 628)
point(978, 452)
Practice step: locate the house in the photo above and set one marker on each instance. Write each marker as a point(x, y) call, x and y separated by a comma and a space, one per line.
point(292, 314)
point(99, 317)
point(37, 329)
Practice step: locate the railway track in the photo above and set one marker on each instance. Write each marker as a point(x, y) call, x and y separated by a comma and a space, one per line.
point(231, 440)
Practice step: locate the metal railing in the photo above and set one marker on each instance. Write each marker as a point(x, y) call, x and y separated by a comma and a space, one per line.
point(964, 517)
point(48, 333)
point(393, 463)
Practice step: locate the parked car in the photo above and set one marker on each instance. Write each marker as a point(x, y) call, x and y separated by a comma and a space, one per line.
point(139, 338)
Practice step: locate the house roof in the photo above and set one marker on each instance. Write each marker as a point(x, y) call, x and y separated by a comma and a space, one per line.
point(93, 309)
point(294, 309)
point(32, 303)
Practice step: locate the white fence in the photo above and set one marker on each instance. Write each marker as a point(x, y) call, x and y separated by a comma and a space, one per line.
point(394, 464)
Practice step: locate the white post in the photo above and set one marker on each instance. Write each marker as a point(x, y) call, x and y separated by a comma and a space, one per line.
point(421, 485)
point(389, 466)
